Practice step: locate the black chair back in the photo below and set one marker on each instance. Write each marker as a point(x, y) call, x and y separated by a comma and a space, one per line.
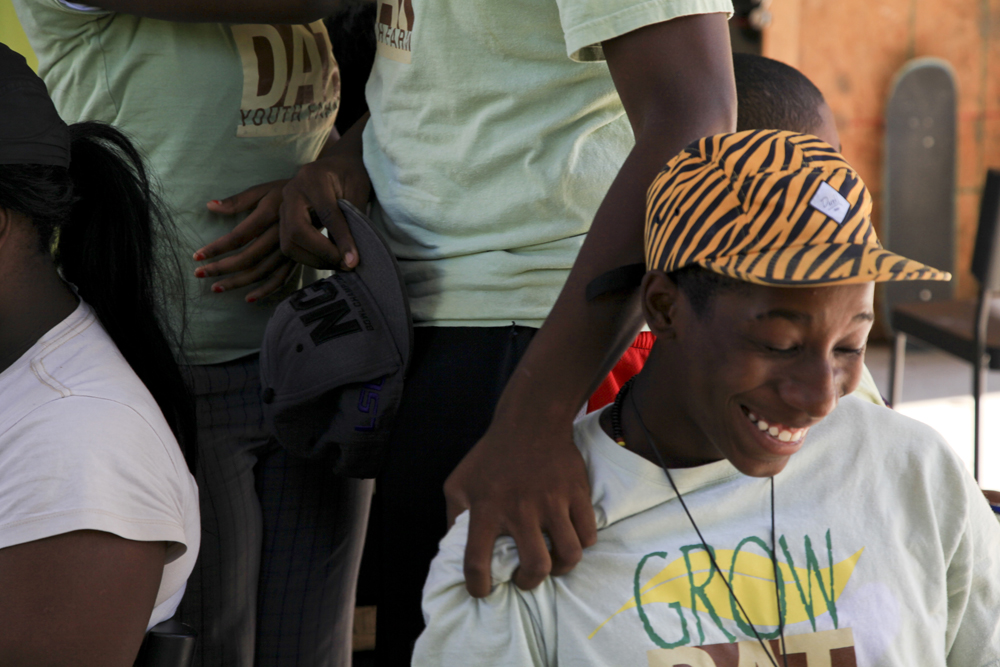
point(986, 256)
point(167, 644)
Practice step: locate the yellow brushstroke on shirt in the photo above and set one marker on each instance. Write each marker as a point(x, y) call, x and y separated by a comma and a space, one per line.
point(753, 584)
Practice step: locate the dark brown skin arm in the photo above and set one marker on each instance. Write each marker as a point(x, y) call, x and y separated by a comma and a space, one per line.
point(525, 477)
point(82, 598)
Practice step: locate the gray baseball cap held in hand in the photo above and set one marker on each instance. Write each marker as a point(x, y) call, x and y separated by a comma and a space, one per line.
point(334, 356)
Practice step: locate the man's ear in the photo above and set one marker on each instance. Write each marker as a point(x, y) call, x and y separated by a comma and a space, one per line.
point(660, 303)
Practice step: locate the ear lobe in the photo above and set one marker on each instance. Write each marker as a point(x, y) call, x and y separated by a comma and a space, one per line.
point(660, 297)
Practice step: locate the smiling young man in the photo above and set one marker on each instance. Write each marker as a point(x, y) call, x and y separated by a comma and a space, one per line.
point(748, 510)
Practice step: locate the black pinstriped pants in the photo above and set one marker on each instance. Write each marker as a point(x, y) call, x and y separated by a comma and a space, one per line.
point(281, 537)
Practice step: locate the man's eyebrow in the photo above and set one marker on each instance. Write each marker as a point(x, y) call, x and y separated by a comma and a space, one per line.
point(785, 314)
point(796, 316)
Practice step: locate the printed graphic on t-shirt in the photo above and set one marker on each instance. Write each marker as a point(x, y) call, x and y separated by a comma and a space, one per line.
point(394, 29)
point(694, 594)
point(832, 648)
point(290, 80)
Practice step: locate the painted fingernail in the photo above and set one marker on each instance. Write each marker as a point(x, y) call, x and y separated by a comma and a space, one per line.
point(199, 273)
point(218, 289)
point(199, 256)
point(216, 202)
point(251, 299)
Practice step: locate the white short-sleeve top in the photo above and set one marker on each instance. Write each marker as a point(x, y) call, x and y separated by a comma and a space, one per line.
point(83, 446)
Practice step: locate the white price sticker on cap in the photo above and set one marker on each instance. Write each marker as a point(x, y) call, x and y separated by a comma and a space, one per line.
point(830, 202)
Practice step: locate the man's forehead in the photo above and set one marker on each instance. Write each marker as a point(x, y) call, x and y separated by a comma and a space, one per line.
point(762, 303)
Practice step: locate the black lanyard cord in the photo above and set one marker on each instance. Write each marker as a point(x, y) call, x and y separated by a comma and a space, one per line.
point(711, 555)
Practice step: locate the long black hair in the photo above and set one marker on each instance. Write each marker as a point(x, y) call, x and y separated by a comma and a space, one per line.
point(109, 235)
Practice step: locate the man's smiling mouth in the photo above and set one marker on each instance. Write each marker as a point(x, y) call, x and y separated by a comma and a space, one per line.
point(778, 431)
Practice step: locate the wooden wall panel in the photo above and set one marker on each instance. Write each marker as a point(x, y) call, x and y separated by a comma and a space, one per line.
point(852, 49)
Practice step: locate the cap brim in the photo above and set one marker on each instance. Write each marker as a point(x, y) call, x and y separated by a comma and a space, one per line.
point(823, 264)
point(380, 271)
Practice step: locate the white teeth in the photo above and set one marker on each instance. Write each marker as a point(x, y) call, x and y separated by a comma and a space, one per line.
point(781, 434)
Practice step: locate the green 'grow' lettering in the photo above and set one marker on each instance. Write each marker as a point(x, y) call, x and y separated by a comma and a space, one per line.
point(676, 606)
point(699, 592)
point(744, 625)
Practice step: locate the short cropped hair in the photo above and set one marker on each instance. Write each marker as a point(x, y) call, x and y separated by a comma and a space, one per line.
point(699, 285)
point(773, 96)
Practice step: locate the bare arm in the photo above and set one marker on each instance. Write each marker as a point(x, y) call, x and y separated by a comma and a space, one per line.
point(525, 476)
point(224, 11)
point(82, 598)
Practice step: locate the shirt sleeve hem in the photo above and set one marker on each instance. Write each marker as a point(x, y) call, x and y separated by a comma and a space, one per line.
point(583, 42)
point(81, 8)
point(59, 523)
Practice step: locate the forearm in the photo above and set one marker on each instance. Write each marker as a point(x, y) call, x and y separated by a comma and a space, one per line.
point(525, 477)
point(691, 96)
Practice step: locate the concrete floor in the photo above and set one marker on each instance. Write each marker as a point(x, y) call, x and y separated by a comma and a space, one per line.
point(937, 390)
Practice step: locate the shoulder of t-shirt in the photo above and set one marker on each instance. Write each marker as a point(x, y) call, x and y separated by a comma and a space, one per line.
point(902, 455)
point(624, 484)
point(112, 426)
point(882, 432)
point(92, 463)
point(588, 23)
point(884, 424)
point(85, 362)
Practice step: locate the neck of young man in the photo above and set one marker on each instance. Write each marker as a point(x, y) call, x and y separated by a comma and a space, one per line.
point(33, 299)
point(651, 417)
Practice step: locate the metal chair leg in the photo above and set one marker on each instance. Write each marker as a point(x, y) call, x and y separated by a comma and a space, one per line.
point(896, 379)
point(979, 378)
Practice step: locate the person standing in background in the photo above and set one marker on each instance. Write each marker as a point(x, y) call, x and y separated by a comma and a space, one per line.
point(99, 526)
point(500, 136)
point(223, 96)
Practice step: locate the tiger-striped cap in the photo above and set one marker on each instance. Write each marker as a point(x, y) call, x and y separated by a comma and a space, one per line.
point(772, 208)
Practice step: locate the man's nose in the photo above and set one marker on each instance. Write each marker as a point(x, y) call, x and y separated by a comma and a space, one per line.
point(812, 387)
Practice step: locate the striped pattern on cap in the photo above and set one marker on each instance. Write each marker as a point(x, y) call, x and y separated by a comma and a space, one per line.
point(753, 206)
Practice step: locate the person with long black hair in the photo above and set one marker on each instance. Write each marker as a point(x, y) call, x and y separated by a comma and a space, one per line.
point(99, 524)
point(224, 96)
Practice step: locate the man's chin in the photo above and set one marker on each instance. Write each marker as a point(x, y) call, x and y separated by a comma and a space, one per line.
point(756, 468)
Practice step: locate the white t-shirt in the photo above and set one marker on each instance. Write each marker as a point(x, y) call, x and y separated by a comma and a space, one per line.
point(888, 556)
point(83, 446)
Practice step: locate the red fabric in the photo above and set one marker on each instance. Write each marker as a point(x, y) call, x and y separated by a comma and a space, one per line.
point(626, 368)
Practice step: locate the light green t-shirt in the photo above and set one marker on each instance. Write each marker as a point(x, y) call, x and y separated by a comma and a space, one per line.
point(495, 133)
point(216, 109)
point(887, 555)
